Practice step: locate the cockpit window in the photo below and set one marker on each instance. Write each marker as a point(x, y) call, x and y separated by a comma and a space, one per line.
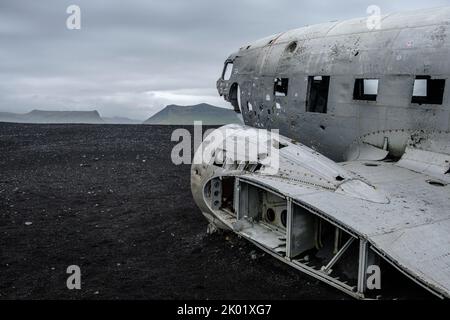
point(428, 91)
point(227, 71)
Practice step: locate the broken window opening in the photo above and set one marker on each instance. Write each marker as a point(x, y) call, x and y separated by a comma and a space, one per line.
point(258, 167)
point(428, 91)
point(230, 164)
point(227, 201)
point(366, 89)
point(278, 145)
point(281, 87)
point(317, 96)
point(217, 164)
point(219, 158)
point(235, 97)
point(227, 70)
point(249, 166)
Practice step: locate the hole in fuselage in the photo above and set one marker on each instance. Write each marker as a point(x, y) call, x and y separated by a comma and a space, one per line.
point(292, 47)
point(278, 145)
point(428, 91)
point(436, 183)
point(228, 194)
point(366, 89)
point(270, 215)
point(257, 167)
point(235, 97)
point(283, 218)
point(370, 164)
point(317, 96)
point(281, 87)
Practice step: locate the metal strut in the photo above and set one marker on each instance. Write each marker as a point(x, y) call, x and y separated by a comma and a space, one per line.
point(337, 256)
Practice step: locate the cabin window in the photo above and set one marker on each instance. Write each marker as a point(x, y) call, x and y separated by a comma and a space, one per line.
point(366, 89)
point(281, 87)
point(317, 97)
point(227, 71)
point(428, 91)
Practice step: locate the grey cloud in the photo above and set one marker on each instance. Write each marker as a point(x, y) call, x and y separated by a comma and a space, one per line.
point(131, 58)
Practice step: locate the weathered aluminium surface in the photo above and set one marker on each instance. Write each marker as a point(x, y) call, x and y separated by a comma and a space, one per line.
point(363, 151)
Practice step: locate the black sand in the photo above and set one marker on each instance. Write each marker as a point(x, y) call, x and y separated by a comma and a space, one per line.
point(108, 198)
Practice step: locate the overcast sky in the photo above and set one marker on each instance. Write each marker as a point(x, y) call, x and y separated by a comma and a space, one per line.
point(131, 58)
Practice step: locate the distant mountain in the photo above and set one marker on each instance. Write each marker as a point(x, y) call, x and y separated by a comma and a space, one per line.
point(10, 117)
point(170, 115)
point(186, 115)
point(40, 116)
point(120, 120)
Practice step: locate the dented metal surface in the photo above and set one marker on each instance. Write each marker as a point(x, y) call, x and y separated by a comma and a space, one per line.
point(390, 198)
point(408, 44)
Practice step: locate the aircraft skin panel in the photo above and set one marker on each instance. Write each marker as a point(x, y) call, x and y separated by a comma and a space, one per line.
point(423, 250)
point(412, 202)
point(401, 208)
point(407, 45)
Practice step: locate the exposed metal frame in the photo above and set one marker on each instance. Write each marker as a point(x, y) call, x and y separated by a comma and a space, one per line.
point(362, 269)
point(382, 255)
point(327, 269)
point(323, 273)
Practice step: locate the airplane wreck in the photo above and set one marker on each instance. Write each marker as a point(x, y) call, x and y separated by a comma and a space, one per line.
point(362, 175)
